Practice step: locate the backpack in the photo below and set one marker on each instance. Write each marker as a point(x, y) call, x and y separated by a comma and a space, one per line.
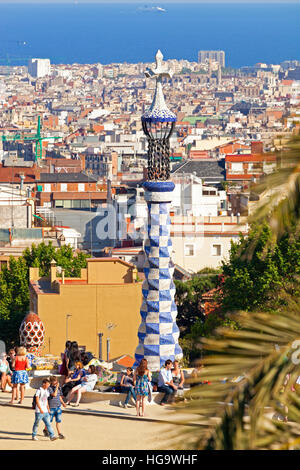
point(33, 405)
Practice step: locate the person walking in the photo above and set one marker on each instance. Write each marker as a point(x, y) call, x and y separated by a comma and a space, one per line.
point(55, 401)
point(87, 385)
point(165, 382)
point(141, 380)
point(42, 411)
point(127, 386)
point(20, 363)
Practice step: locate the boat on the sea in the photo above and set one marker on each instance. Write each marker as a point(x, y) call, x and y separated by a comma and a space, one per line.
point(153, 9)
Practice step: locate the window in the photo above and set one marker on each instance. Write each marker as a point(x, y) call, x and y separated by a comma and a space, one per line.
point(67, 204)
point(76, 204)
point(188, 250)
point(237, 168)
point(59, 203)
point(64, 187)
point(47, 188)
point(85, 204)
point(80, 186)
point(216, 250)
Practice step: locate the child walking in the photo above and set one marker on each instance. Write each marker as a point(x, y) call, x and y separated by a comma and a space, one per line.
point(42, 410)
point(55, 401)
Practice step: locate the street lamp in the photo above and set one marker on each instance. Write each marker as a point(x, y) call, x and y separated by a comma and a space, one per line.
point(110, 326)
point(100, 335)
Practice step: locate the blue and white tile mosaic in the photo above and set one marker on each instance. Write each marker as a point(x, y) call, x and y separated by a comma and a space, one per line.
point(158, 332)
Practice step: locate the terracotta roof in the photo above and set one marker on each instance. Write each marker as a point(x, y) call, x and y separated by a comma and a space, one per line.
point(250, 158)
point(12, 174)
point(105, 259)
point(62, 195)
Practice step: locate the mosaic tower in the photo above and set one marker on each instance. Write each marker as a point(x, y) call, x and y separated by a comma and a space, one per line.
point(158, 332)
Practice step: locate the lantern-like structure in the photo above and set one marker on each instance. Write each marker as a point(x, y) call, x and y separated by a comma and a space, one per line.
point(158, 332)
point(32, 333)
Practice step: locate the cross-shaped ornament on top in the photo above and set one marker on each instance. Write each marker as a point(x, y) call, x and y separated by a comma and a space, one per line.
point(161, 70)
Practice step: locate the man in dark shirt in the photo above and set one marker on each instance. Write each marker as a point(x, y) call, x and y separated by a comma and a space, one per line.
point(55, 401)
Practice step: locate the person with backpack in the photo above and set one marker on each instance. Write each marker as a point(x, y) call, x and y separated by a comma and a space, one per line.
point(55, 401)
point(42, 411)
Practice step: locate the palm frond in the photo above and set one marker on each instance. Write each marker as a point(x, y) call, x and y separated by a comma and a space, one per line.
point(280, 192)
point(239, 415)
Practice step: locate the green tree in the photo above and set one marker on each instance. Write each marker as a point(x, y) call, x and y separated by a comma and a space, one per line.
point(14, 299)
point(188, 297)
point(42, 255)
point(262, 273)
point(261, 270)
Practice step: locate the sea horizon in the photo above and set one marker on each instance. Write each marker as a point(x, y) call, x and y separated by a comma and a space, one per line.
point(69, 33)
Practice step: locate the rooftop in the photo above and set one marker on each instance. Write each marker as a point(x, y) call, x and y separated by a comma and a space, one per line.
point(209, 170)
point(66, 178)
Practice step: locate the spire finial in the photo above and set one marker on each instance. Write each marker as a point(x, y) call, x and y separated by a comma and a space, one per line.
point(159, 58)
point(158, 111)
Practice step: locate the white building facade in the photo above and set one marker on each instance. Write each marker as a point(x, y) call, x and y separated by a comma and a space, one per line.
point(38, 68)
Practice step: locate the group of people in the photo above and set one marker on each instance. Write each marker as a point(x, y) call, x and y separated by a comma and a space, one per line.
point(51, 396)
point(138, 385)
point(75, 379)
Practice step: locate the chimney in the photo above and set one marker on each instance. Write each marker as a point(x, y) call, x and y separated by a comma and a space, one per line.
point(257, 147)
point(52, 271)
point(22, 178)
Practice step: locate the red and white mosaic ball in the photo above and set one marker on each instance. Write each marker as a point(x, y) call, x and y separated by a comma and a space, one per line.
point(32, 333)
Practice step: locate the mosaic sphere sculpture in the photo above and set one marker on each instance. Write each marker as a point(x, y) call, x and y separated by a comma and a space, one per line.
point(32, 333)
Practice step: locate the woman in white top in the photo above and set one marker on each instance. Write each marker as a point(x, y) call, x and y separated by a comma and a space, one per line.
point(178, 378)
point(87, 385)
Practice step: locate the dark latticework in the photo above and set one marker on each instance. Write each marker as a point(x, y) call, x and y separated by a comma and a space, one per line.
point(158, 159)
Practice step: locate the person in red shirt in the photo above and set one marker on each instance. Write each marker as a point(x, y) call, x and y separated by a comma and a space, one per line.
point(20, 363)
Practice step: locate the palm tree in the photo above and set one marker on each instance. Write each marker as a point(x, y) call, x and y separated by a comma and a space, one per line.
point(280, 191)
point(257, 361)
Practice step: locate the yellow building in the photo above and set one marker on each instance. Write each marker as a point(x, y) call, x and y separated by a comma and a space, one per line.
point(99, 310)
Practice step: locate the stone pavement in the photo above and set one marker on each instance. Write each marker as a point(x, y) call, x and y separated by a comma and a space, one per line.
point(153, 413)
point(90, 426)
